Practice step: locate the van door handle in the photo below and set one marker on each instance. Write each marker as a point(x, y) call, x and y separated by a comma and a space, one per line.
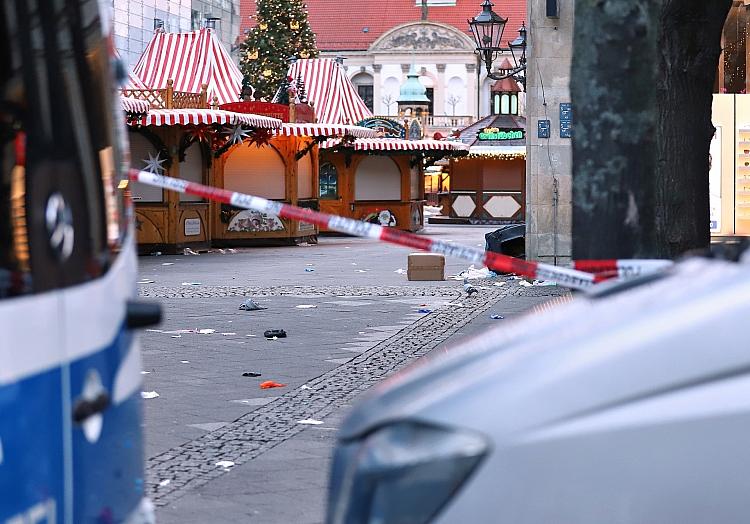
point(141, 314)
point(87, 408)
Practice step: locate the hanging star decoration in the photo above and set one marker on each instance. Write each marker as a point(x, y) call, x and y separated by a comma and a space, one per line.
point(201, 134)
point(237, 134)
point(154, 163)
point(261, 137)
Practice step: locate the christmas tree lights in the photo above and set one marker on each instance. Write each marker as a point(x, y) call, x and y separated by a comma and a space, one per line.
point(282, 31)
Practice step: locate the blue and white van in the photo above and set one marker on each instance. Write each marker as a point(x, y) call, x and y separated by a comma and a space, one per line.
point(70, 407)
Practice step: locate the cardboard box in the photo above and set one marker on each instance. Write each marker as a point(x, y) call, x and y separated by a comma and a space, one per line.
point(426, 266)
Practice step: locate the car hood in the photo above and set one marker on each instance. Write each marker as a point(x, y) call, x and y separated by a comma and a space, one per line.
point(576, 359)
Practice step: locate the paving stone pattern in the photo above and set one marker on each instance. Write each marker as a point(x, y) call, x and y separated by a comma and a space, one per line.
point(193, 464)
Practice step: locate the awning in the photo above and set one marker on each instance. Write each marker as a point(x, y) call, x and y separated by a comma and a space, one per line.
point(133, 105)
point(333, 95)
point(326, 130)
point(190, 60)
point(396, 144)
point(175, 117)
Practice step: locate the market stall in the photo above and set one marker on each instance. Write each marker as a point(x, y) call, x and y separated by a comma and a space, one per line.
point(374, 179)
point(183, 77)
point(487, 186)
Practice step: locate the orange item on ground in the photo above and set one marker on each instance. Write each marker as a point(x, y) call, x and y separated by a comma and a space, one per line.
point(268, 384)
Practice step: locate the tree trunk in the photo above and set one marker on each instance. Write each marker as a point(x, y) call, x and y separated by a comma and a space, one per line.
point(689, 50)
point(614, 148)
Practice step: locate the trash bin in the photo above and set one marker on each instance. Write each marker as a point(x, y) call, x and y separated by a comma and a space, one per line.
point(508, 240)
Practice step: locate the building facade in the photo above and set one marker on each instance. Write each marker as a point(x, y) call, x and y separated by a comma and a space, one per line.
point(549, 158)
point(134, 22)
point(379, 47)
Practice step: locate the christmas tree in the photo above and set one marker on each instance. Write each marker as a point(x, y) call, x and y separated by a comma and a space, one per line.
point(282, 31)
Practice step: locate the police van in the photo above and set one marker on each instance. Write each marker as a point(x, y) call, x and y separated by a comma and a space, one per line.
point(70, 409)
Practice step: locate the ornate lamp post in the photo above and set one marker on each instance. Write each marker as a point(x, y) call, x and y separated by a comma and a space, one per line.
point(487, 28)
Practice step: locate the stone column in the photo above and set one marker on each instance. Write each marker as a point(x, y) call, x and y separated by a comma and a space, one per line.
point(471, 89)
point(377, 104)
point(440, 91)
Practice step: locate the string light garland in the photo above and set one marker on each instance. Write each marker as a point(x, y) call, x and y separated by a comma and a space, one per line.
point(282, 31)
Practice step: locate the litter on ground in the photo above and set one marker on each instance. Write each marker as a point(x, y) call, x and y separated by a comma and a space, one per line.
point(164, 482)
point(149, 394)
point(424, 310)
point(191, 283)
point(206, 331)
point(226, 464)
point(474, 274)
point(188, 251)
point(310, 422)
point(269, 384)
point(251, 305)
point(306, 306)
point(228, 334)
point(251, 374)
point(496, 317)
point(400, 271)
point(309, 270)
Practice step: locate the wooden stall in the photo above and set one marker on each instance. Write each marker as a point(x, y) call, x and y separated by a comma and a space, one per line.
point(488, 186)
point(182, 133)
point(379, 180)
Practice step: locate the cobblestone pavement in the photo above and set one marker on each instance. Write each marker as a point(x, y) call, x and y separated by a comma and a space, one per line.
point(194, 463)
point(362, 329)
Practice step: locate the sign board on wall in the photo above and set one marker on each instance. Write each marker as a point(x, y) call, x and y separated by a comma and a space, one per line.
point(714, 181)
point(566, 120)
point(494, 133)
point(192, 227)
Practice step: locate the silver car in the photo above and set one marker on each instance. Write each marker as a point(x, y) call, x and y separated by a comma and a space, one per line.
point(632, 406)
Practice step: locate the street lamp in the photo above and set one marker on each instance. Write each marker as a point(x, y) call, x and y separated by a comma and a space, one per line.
point(487, 28)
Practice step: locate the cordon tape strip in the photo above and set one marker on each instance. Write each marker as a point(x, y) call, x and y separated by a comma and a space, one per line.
point(578, 278)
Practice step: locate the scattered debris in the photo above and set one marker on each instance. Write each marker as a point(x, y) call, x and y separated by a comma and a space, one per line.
point(228, 334)
point(252, 374)
point(188, 251)
point(305, 386)
point(424, 310)
point(469, 289)
point(176, 336)
point(497, 317)
point(498, 284)
point(164, 482)
point(184, 362)
point(544, 283)
point(306, 306)
point(354, 263)
point(251, 305)
point(146, 281)
point(154, 331)
point(168, 264)
point(269, 384)
point(309, 270)
point(274, 333)
point(192, 284)
point(524, 283)
point(310, 422)
point(251, 335)
point(226, 464)
point(400, 271)
point(206, 331)
point(149, 394)
point(475, 274)
point(155, 253)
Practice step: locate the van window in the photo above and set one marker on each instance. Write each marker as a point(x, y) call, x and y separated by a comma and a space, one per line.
point(61, 212)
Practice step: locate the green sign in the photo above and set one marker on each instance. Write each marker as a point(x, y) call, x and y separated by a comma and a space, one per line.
point(493, 133)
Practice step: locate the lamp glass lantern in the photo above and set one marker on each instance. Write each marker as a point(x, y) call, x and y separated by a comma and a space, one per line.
point(487, 28)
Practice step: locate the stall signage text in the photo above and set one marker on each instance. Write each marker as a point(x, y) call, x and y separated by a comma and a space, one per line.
point(493, 133)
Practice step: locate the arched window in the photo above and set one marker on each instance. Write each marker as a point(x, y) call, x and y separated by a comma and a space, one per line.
point(504, 104)
point(328, 182)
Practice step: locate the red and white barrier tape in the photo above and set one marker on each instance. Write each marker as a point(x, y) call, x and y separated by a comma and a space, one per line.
point(621, 268)
point(571, 278)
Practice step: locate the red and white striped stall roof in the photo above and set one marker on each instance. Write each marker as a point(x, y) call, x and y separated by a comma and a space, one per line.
point(190, 60)
point(334, 96)
point(326, 130)
point(133, 105)
point(173, 117)
point(397, 144)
